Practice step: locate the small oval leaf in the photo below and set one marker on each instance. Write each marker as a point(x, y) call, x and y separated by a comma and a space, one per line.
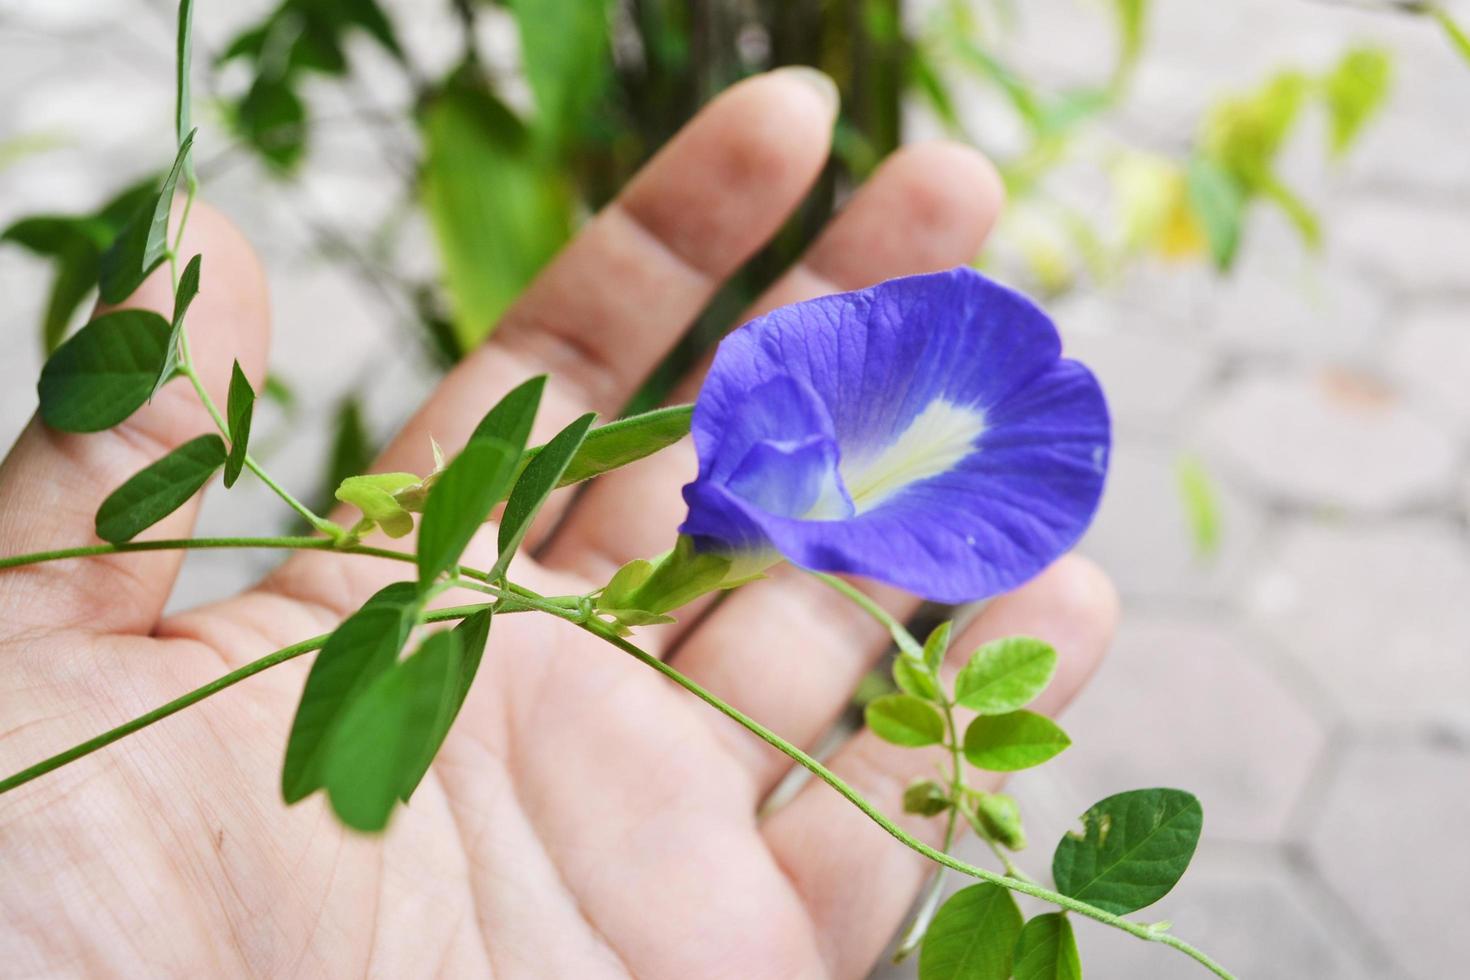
point(913, 677)
point(904, 720)
point(1004, 675)
point(159, 489)
point(1018, 740)
point(1132, 850)
point(105, 372)
point(1047, 950)
point(973, 936)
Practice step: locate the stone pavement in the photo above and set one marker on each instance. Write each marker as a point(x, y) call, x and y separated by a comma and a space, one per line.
point(1311, 682)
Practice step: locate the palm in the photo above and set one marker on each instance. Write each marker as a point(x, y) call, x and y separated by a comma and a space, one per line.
point(585, 818)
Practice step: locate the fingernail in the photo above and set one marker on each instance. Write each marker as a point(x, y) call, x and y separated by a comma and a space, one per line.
point(818, 81)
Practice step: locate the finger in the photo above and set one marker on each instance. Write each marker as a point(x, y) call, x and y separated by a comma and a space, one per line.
point(52, 482)
point(619, 296)
point(627, 286)
point(929, 207)
point(857, 881)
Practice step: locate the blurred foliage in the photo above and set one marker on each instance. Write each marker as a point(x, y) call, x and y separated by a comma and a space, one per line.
point(503, 179)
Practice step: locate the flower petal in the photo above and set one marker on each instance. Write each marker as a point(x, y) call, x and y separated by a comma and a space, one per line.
point(975, 455)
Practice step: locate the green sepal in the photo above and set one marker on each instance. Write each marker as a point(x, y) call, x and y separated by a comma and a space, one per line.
point(678, 578)
point(376, 496)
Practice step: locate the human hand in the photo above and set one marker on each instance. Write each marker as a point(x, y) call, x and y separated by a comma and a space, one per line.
point(584, 818)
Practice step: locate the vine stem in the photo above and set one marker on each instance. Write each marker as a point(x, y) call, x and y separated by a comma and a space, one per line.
point(194, 697)
point(186, 368)
point(524, 598)
point(850, 794)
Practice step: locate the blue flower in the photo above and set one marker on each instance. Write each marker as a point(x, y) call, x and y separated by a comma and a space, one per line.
point(925, 432)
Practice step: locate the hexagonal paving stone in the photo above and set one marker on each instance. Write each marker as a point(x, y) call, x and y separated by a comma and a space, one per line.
point(1143, 538)
point(1329, 439)
point(1390, 839)
point(1186, 702)
point(1378, 614)
point(1430, 357)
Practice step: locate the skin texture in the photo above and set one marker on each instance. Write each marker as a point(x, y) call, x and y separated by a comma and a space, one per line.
point(585, 818)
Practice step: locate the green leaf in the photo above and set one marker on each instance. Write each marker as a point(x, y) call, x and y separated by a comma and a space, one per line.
point(183, 296)
point(183, 97)
point(1132, 850)
point(1201, 507)
point(541, 476)
point(904, 720)
point(1355, 91)
point(1132, 16)
point(272, 119)
point(1004, 675)
point(973, 936)
point(143, 244)
point(387, 737)
point(1459, 37)
point(105, 372)
point(511, 418)
point(239, 412)
point(912, 677)
point(159, 489)
point(499, 212)
point(472, 634)
point(565, 48)
point(1018, 740)
point(1219, 202)
point(75, 244)
point(926, 798)
point(1047, 950)
point(625, 441)
point(359, 651)
point(460, 502)
point(937, 645)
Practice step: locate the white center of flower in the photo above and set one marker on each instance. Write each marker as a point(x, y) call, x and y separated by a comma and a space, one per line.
point(938, 438)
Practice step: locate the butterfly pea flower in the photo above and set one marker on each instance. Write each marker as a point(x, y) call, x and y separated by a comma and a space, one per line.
point(925, 432)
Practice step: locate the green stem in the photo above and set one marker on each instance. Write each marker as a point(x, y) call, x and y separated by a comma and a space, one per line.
point(331, 529)
point(874, 814)
point(194, 697)
point(901, 635)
